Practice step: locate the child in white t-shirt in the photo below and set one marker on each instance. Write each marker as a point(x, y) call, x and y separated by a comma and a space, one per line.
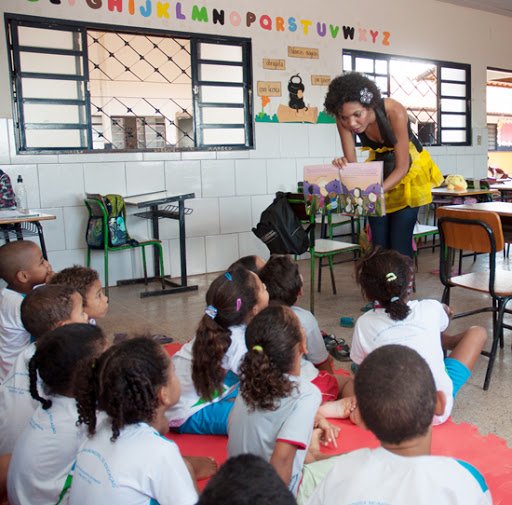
point(284, 284)
point(126, 459)
point(384, 277)
point(22, 267)
point(45, 451)
point(207, 366)
point(276, 410)
point(87, 282)
point(43, 309)
point(397, 399)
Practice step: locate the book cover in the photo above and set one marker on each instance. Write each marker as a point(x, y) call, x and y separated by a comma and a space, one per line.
point(355, 190)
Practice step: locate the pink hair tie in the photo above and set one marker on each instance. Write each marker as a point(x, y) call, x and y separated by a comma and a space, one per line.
point(238, 304)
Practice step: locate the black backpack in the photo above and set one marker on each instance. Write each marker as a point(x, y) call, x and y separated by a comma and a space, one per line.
point(280, 228)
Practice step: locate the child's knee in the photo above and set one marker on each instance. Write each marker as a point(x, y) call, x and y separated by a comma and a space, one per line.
point(478, 335)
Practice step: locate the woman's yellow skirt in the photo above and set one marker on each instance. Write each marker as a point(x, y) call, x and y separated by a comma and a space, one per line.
point(415, 189)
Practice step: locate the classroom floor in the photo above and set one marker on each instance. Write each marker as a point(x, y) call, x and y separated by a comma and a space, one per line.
point(177, 316)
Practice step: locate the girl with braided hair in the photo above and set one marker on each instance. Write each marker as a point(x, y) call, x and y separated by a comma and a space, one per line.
point(276, 411)
point(384, 277)
point(207, 366)
point(45, 451)
point(126, 458)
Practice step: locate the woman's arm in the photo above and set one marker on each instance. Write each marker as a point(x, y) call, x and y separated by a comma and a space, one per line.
point(348, 145)
point(399, 120)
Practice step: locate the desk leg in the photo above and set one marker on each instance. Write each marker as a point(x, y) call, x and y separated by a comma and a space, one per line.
point(183, 250)
point(41, 239)
point(156, 234)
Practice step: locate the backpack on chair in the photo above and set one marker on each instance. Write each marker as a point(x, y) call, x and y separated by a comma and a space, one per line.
point(280, 229)
point(7, 198)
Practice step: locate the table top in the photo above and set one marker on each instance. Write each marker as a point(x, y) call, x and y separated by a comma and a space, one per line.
point(156, 198)
point(467, 192)
point(13, 216)
point(501, 208)
point(502, 186)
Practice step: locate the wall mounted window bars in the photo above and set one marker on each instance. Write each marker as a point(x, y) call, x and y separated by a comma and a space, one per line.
point(79, 87)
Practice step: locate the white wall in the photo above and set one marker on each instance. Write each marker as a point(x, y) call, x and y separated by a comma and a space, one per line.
point(233, 188)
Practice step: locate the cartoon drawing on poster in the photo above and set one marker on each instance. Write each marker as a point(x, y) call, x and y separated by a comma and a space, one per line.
point(296, 111)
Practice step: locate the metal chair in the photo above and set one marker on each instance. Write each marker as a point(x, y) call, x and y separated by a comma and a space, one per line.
point(97, 208)
point(318, 248)
point(479, 232)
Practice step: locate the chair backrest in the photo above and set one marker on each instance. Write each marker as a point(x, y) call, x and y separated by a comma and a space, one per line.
point(95, 204)
point(470, 230)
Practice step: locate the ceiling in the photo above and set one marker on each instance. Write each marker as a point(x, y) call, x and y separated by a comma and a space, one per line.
point(503, 7)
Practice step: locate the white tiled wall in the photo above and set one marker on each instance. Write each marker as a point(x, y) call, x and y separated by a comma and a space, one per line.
point(231, 188)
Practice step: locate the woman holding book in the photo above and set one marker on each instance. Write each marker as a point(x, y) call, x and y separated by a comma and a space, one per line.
point(384, 129)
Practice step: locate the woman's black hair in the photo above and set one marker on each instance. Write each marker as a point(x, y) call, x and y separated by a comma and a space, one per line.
point(233, 296)
point(351, 87)
point(124, 383)
point(59, 354)
point(272, 338)
point(384, 276)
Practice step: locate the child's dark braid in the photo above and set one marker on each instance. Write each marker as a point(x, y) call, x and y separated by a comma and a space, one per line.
point(125, 384)
point(32, 372)
point(86, 391)
point(384, 275)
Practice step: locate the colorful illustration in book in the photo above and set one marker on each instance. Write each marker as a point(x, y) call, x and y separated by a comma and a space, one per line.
point(322, 185)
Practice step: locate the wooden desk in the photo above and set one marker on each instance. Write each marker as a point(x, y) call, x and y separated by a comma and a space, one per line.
point(14, 223)
point(505, 188)
point(466, 192)
point(154, 214)
point(504, 209)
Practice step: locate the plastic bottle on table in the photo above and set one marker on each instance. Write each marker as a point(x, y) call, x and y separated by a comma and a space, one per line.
point(21, 195)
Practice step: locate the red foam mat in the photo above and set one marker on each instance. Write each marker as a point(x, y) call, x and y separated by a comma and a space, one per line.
point(489, 453)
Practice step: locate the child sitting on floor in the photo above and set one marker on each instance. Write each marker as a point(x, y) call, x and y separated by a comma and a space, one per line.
point(126, 459)
point(246, 480)
point(276, 410)
point(47, 447)
point(87, 282)
point(207, 366)
point(22, 267)
point(397, 398)
point(384, 277)
point(43, 309)
point(284, 284)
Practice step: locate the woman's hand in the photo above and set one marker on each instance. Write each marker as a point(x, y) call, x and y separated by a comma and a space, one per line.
point(340, 163)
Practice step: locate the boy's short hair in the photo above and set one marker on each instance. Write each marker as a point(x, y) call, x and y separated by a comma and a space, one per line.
point(282, 278)
point(246, 480)
point(13, 258)
point(45, 307)
point(396, 393)
point(78, 277)
point(248, 262)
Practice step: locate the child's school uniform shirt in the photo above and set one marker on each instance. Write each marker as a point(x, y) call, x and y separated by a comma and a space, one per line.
point(257, 431)
point(379, 476)
point(420, 330)
point(190, 402)
point(140, 468)
point(13, 336)
point(317, 352)
point(44, 453)
point(16, 404)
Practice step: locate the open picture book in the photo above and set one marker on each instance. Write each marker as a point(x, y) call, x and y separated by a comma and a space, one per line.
point(355, 189)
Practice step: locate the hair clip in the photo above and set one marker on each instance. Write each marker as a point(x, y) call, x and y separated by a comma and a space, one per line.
point(257, 348)
point(390, 277)
point(211, 311)
point(365, 96)
point(238, 304)
point(227, 275)
point(394, 299)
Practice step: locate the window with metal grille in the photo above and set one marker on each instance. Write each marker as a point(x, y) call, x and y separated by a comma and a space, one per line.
point(436, 94)
point(83, 87)
point(492, 134)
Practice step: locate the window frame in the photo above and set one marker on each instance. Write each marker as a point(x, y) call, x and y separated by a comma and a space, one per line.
point(440, 64)
point(81, 27)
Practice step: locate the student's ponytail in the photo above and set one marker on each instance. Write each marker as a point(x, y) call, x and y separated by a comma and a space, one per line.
point(230, 300)
point(32, 373)
point(272, 338)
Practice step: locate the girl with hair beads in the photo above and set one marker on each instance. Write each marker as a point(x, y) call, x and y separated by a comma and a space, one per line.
point(384, 276)
point(276, 411)
point(207, 366)
point(126, 459)
point(45, 451)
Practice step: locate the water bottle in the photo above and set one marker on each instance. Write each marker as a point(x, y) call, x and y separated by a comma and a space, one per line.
point(21, 195)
